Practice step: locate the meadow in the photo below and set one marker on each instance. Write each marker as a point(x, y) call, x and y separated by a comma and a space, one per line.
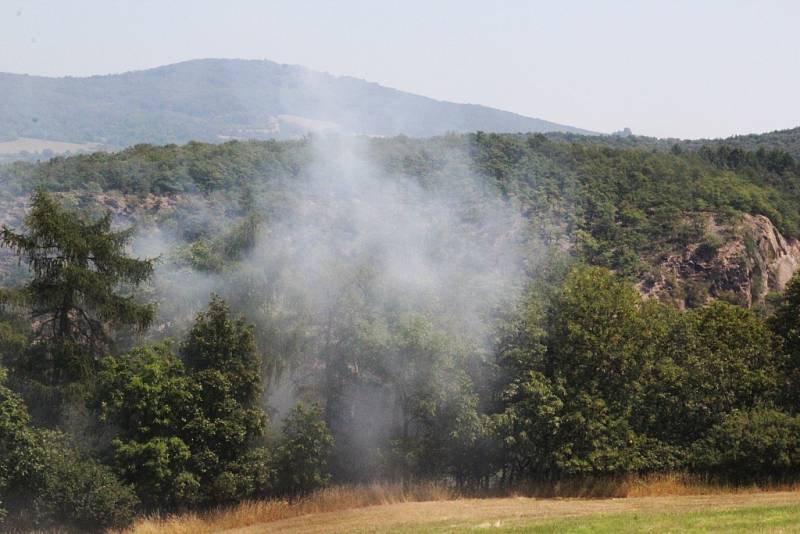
point(660, 503)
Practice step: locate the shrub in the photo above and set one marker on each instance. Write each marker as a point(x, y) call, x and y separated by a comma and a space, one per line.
point(186, 427)
point(76, 492)
point(17, 443)
point(302, 456)
point(46, 482)
point(751, 445)
point(252, 475)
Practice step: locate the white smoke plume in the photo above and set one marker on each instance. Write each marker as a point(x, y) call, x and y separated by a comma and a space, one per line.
point(353, 241)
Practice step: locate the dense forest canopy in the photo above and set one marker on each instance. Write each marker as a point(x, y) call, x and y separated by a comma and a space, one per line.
point(627, 207)
point(464, 308)
point(779, 140)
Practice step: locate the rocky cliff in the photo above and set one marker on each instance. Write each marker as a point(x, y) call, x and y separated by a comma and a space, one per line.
point(741, 262)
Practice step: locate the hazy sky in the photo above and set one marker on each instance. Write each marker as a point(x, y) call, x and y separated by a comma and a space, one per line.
point(669, 68)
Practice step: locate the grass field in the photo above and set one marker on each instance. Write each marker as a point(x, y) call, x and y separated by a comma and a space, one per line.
point(768, 512)
point(27, 144)
point(428, 509)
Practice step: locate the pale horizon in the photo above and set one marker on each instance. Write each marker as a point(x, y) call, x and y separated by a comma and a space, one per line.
point(686, 70)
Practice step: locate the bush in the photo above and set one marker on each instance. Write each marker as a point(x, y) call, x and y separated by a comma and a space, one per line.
point(302, 456)
point(186, 427)
point(79, 493)
point(251, 475)
point(158, 467)
point(17, 443)
point(45, 482)
point(746, 446)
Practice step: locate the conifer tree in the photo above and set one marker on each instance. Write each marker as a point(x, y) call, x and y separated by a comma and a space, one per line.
point(79, 266)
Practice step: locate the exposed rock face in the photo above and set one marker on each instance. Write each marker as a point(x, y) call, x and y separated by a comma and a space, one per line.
point(126, 210)
point(782, 255)
point(742, 263)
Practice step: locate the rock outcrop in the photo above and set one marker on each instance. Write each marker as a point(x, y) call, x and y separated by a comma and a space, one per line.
point(741, 263)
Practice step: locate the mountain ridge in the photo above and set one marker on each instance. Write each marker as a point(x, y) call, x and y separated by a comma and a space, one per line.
point(219, 99)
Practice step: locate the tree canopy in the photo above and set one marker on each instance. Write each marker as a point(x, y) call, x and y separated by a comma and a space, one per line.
point(78, 268)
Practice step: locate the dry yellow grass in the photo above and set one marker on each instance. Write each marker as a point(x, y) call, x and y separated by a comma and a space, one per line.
point(642, 486)
point(339, 509)
point(27, 144)
point(510, 513)
point(256, 512)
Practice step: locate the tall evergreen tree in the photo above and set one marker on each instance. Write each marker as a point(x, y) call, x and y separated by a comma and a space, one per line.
point(79, 266)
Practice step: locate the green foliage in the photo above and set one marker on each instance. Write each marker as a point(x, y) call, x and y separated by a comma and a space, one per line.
point(695, 294)
point(301, 458)
point(434, 396)
point(219, 343)
point(726, 363)
point(148, 396)
point(529, 423)
point(83, 494)
point(785, 324)
point(47, 483)
point(145, 391)
point(186, 426)
point(586, 377)
point(593, 333)
point(771, 151)
point(625, 206)
point(566, 412)
point(596, 353)
point(170, 169)
point(615, 385)
point(17, 443)
point(631, 207)
point(251, 474)
point(751, 445)
point(159, 469)
point(214, 255)
point(77, 266)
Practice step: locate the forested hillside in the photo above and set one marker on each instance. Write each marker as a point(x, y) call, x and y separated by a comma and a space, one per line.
point(627, 209)
point(787, 141)
point(217, 99)
point(184, 327)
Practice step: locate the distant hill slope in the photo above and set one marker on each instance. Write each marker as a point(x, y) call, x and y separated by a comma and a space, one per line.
point(686, 225)
point(784, 140)
point(217, 99)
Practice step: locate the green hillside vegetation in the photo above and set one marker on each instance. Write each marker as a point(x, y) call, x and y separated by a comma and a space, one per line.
point(109, 408)
point(780, 140)
point(215, 98)
point(626, 208)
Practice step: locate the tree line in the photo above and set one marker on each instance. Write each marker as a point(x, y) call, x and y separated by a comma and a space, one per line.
point(173, 426)
point(584, 378)
point(626, 207)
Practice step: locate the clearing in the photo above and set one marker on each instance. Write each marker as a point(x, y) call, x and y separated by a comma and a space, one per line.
point(762, 512)
point(35, 146)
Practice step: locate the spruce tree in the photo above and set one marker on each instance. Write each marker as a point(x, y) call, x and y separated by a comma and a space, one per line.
point(79, 267)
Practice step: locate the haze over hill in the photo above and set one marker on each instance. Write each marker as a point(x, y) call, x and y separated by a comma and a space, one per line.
point(219, 99)
point(787, 141)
